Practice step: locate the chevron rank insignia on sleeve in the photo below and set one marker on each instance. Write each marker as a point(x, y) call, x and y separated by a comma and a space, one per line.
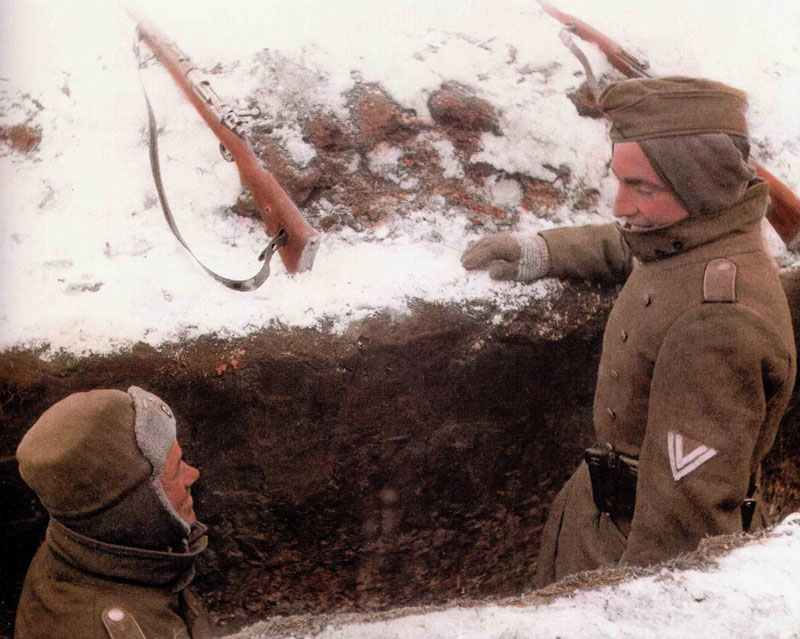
point(681, 462)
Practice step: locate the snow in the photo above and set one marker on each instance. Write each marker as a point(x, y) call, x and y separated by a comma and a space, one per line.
point(751, 593)
point(383, 161)
point(504, 192)
point(447, 157)
point(292, 137)
point(87, 260)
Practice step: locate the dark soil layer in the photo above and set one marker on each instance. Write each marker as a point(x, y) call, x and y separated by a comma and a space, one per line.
point(408, 461)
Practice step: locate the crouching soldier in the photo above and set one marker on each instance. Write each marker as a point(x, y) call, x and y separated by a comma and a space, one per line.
point(123, 537)
point(698, 359)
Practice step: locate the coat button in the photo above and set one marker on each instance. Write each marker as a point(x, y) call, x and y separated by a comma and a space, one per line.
point(614, 374)
point(611, 413)
point(116, 614)
point(623, 335)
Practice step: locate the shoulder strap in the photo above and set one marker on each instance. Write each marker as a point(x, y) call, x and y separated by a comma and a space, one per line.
point(120, 624)
point(719, 281)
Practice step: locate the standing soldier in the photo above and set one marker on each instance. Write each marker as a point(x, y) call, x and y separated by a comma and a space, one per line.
point(123, 536)
point(698, 360)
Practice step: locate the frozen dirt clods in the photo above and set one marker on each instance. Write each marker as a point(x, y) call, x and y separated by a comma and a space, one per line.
point(326, 131)
point(21, 138)
point(20, 131)
point(382, 160)
point(456, 106)
point(377, 117)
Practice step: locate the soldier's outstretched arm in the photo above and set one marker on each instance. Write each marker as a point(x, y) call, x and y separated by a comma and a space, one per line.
point(593, 252)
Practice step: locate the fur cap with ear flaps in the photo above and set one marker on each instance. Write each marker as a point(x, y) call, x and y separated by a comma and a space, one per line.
point(94, 460)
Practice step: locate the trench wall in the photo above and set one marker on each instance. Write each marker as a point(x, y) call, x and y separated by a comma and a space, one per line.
point(410, 460)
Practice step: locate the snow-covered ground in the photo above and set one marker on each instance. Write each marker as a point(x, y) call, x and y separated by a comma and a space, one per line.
point(87, 261)
point(751, 593)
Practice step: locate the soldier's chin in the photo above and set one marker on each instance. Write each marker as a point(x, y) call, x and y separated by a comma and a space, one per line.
point(187, 511)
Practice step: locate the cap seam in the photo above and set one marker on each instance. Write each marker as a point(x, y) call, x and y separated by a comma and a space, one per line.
point(674, 133)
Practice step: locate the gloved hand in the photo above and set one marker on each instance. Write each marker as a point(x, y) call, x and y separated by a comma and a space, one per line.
point(522, 258)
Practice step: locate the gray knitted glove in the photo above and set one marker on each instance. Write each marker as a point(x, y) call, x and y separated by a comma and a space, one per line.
point(522, 258)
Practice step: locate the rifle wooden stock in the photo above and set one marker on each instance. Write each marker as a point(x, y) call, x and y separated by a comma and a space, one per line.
point(784, 212)
point(277, 209)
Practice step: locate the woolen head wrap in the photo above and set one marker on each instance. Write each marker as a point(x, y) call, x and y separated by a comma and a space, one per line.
point(693, 131)
point(707, 172)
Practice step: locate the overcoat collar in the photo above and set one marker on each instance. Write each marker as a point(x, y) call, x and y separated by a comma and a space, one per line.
point(148, 567)
point(693, 232)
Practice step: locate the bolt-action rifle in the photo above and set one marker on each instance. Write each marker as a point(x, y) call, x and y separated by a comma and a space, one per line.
point(784, 211)
point(295, 240)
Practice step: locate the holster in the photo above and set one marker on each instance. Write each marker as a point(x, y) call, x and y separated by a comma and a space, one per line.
point(613, 478)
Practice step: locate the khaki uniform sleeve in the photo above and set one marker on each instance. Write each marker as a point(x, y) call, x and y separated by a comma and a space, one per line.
point(594, 252)
point(717, 371)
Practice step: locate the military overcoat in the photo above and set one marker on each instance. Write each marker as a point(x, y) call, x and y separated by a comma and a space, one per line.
point(697, 368)
point(79, 587)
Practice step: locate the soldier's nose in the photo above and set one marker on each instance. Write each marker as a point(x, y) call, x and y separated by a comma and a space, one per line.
point(191, 474)
point(623, 207)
